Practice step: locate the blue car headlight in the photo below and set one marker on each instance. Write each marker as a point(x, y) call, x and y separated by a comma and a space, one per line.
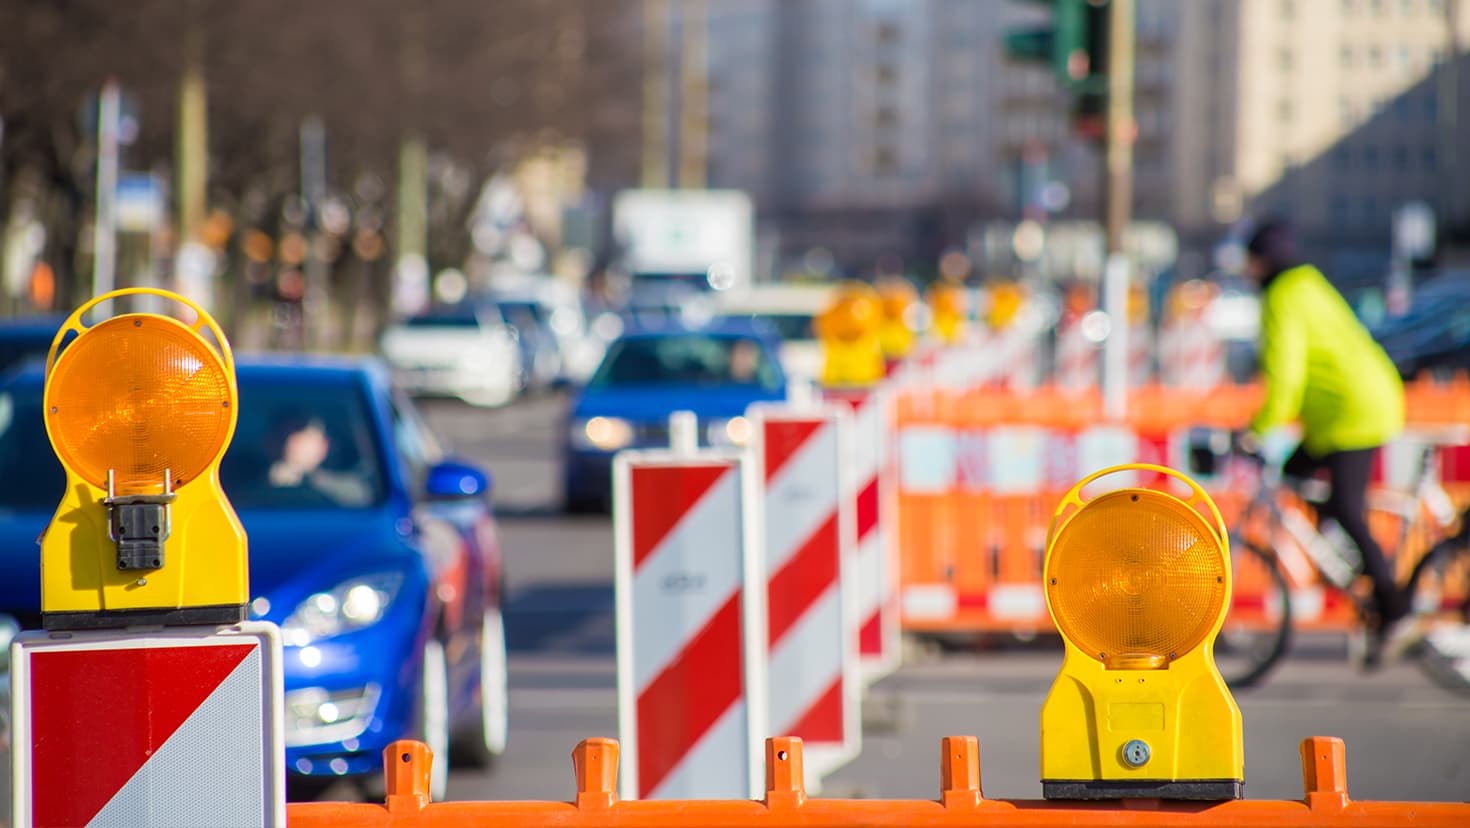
point(601, 433)
point(351, 605)
point(735, 431)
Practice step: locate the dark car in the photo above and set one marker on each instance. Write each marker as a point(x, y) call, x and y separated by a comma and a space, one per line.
point(378, 559)
point(25, 337)
point(1435, 333)
point(646, 376)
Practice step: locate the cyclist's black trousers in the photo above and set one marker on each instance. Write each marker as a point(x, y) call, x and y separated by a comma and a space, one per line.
point(1348, 472)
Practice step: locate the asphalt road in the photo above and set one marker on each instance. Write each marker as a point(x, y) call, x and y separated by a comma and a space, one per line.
point(1406, 738)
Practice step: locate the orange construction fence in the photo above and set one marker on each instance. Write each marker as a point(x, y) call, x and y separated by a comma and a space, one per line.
point(961, 802)
point(981, 470)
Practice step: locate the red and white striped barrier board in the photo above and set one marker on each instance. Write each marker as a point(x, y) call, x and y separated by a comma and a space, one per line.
point(1191, 355)
point(690, 609)
point(1076, 358)
point(209, 750)
point(1140, 354)
point(870, 482)
point(810, 538)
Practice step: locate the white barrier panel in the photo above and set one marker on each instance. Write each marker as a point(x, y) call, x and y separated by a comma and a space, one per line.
point(210, 750)
point(815, 689)
point(690, 625)
point(870, 484)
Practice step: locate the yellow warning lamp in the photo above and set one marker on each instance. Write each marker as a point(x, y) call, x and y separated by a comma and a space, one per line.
point(1138, 582)
point(140, 408)
point(948, 309)
point(896, 330)
point(848, 329)
point(1006, 301)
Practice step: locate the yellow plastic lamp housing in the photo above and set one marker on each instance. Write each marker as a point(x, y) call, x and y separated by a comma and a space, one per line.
point(1138, 583)
point(146, 403)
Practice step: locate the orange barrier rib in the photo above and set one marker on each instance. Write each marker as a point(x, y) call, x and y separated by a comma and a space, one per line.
point(961, 802)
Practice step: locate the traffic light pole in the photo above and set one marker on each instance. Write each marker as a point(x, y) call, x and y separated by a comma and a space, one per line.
point(1121, 132)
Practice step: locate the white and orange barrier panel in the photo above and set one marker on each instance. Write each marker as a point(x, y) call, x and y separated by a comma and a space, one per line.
point(978, 470)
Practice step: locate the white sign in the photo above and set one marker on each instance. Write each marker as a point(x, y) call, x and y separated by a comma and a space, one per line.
point(174, 726)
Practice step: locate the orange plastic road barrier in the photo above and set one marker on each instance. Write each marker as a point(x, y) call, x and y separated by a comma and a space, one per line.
point(981, 469)
point(961, 801)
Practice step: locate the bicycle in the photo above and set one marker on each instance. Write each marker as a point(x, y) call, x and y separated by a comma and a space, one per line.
point(1442, 615)
point(1288, 569)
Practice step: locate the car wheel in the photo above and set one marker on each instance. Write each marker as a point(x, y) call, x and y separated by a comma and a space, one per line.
point(434, 715)
point(485, 737)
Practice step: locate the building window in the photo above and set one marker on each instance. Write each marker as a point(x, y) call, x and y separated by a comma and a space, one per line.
point(1288, 9)
point(1345, 57)
point(1347, 7)
point(1431, 108)
point(1341, 210)
point(1377, 7)
point(1370, 158)
point(1405, 59)
point(885, 159)
point(885, 117)
point(1284, 58)
point(1342, 158)
point(1346, 110)
point(1406, 8)
point(1401, 158)
point(1375, 57)
point(1283, 110)
point(1430, 159)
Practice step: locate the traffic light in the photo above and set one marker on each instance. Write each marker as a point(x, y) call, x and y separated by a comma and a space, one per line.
point(1074, 45)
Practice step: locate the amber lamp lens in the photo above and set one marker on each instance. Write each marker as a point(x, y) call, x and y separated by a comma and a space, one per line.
point(1136, 579)
point(139, 394)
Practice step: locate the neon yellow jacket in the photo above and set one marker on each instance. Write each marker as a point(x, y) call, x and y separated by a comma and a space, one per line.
point(1322, 367)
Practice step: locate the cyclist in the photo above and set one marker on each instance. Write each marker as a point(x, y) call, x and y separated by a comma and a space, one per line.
point(1321, 367)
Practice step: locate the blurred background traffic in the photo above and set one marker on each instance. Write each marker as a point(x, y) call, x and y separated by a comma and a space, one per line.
point(572, 217)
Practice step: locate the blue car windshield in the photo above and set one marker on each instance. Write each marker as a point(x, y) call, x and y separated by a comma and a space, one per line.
point(302, 446)
point(687, 360)
point(296, 447)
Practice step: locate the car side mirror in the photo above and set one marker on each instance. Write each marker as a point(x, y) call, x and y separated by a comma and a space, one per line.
point(451, 480)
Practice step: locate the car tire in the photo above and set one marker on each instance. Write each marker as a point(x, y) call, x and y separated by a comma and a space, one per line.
point(434, 715)
point(484, 738)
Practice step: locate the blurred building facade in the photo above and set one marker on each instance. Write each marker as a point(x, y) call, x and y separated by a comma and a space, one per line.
point(1342, 112)
point(883, 127)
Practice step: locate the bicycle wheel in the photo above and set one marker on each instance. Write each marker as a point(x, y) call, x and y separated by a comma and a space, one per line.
point(1257, 630)
point(1430, 589)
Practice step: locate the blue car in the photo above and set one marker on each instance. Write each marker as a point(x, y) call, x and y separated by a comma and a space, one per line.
point(26, 337)
point(377, 558)
point(649, 374)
